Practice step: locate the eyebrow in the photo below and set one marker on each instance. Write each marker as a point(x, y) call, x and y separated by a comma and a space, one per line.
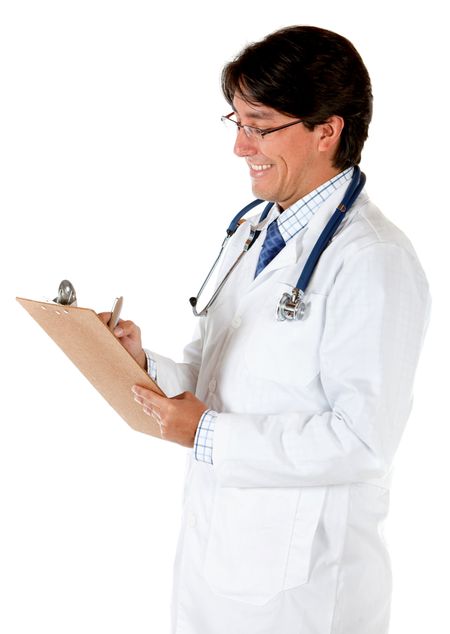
point(256, 114)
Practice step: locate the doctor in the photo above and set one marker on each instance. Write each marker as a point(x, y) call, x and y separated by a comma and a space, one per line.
point(292, 426)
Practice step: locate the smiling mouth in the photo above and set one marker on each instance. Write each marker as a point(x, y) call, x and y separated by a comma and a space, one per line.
point(259, 167)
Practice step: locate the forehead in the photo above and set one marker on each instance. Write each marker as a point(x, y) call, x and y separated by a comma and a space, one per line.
point(247, 110)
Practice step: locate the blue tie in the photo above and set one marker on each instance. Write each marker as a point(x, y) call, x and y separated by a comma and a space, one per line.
point(272, 246)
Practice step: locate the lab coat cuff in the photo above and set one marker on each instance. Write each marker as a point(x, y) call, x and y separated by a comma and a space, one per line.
point(222, 438)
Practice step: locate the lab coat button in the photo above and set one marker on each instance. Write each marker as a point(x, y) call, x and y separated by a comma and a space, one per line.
point(236, 322)
point(212, 385)
point(191, 521)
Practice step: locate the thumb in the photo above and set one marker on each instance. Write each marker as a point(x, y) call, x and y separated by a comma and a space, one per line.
point(183, 396)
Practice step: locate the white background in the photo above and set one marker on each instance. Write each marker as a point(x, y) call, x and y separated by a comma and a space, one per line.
point(116, 173)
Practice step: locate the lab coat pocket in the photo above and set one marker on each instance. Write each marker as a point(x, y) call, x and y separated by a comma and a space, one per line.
point(286, 352)
point(260, 541)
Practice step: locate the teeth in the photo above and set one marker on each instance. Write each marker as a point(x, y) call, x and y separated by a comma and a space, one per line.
point(260, 168)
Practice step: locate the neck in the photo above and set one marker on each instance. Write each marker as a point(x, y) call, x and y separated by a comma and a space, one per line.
point(308, 186)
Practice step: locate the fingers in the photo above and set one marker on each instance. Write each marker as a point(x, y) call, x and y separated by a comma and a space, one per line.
point(105, 317)
point(124, 328)
point(129, 335)
point(148, 398)
point(178, 417)
point(149, 404)
point(152, 404)
point(150, 411)
point(127, 329)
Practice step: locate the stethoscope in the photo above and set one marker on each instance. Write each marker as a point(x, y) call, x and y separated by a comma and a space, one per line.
point(291, 305)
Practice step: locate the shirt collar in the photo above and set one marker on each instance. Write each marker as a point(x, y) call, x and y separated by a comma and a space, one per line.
point(297, 216)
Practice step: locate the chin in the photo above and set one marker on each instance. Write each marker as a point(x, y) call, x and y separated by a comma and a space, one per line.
point(264, 194)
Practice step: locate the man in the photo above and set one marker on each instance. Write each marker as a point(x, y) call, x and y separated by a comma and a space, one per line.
point(294, 424)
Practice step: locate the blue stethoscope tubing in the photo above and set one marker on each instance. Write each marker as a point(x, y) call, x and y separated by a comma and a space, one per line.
point(352, 192)
point(235, 222)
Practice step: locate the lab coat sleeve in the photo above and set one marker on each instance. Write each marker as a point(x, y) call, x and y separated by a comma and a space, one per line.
point(174, 378)
point(376, 316)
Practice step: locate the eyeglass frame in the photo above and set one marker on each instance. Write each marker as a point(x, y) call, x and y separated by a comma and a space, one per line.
point(259, 132)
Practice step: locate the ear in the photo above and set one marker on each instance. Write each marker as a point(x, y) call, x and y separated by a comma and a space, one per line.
point(329, 133)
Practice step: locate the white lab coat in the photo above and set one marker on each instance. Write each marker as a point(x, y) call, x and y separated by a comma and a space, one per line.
point(282, 534)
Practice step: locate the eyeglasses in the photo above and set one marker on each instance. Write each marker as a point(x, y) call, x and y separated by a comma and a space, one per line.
point(250, 131)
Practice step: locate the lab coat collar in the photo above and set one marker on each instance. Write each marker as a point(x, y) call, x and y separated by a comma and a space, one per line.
point(300, 246)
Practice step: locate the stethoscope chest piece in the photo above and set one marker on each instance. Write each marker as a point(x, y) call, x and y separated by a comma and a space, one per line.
point(291, 306)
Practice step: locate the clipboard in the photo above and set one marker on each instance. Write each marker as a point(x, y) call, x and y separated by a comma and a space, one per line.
point(98, 354)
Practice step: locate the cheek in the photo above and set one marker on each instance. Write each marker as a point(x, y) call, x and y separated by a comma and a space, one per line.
point(292, 167)
point(297, 162)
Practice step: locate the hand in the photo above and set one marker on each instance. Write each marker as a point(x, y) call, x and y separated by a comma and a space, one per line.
point(178, 417)
point(129, 336)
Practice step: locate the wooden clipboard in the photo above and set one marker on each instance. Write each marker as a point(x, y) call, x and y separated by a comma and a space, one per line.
point(98, 354)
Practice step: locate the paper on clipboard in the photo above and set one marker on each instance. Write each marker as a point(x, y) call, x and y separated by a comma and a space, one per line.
point(97, 353)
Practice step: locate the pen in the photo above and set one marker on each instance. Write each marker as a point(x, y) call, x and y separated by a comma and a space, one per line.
point(115, 313)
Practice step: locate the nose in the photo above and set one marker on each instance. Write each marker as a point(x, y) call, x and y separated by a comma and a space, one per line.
point(244, 146)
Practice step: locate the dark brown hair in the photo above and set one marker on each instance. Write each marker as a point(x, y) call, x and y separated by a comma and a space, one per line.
point(311, 74)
